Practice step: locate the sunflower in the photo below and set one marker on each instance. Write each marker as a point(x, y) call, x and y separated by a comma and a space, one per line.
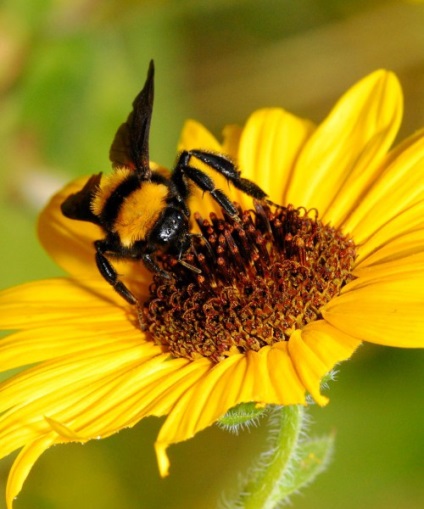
point(338, 261)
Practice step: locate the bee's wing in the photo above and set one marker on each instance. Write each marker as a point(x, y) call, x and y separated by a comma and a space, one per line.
point(130, 147)
point(78, 205)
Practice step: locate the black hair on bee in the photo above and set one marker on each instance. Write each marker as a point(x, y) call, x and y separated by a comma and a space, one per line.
point(142, 211)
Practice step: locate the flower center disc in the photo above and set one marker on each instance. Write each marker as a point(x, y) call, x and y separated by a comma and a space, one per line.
point(261, 279)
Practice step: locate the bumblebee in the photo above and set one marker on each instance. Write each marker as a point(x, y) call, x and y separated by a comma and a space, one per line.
point(140, 210)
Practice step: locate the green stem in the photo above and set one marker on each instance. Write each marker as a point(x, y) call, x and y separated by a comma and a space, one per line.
point(291, 462)
point(264, 490)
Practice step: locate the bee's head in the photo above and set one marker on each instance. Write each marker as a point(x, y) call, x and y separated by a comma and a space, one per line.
point(172, 232)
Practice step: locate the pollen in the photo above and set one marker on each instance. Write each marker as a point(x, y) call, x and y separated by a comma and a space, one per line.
point(261, 278)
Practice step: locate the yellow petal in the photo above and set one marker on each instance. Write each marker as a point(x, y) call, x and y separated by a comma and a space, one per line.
point(269, 147)
point(70, 389)
point(22, 349)
point(398, 191)
point(393, 269)
point(329, 344)
point(231, 141)
point(266, 377)
point(291, 391)
point(195, 136)
point(341, 158)
point(392, 244)
point(159, 396)
point(309, 367)
point(385, 310)
point(22, 466)
point(69, 242)
point(93, 395)
point(59, 301)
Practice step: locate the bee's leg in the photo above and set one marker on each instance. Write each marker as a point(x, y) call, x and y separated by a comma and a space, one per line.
point(228, 169)
point(182, 171)
point(150, 264)
point(109, 273)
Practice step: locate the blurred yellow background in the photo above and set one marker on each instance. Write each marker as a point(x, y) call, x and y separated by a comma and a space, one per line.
point(69, 70)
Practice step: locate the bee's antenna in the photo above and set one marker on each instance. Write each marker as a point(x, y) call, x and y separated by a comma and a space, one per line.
point(189, 266)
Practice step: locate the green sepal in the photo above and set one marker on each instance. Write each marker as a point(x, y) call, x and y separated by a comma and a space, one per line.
point(242, 416)
point(313, 457)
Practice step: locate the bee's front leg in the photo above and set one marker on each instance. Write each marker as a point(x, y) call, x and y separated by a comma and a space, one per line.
point(109, 273)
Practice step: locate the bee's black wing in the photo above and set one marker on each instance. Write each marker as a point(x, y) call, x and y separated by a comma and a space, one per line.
point(130, 147)
point(78, 205)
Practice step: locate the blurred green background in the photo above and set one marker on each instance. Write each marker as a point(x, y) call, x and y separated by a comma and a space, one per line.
point(69, 70)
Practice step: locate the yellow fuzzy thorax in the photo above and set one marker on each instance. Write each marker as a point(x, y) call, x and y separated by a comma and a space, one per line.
point(139, 211)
